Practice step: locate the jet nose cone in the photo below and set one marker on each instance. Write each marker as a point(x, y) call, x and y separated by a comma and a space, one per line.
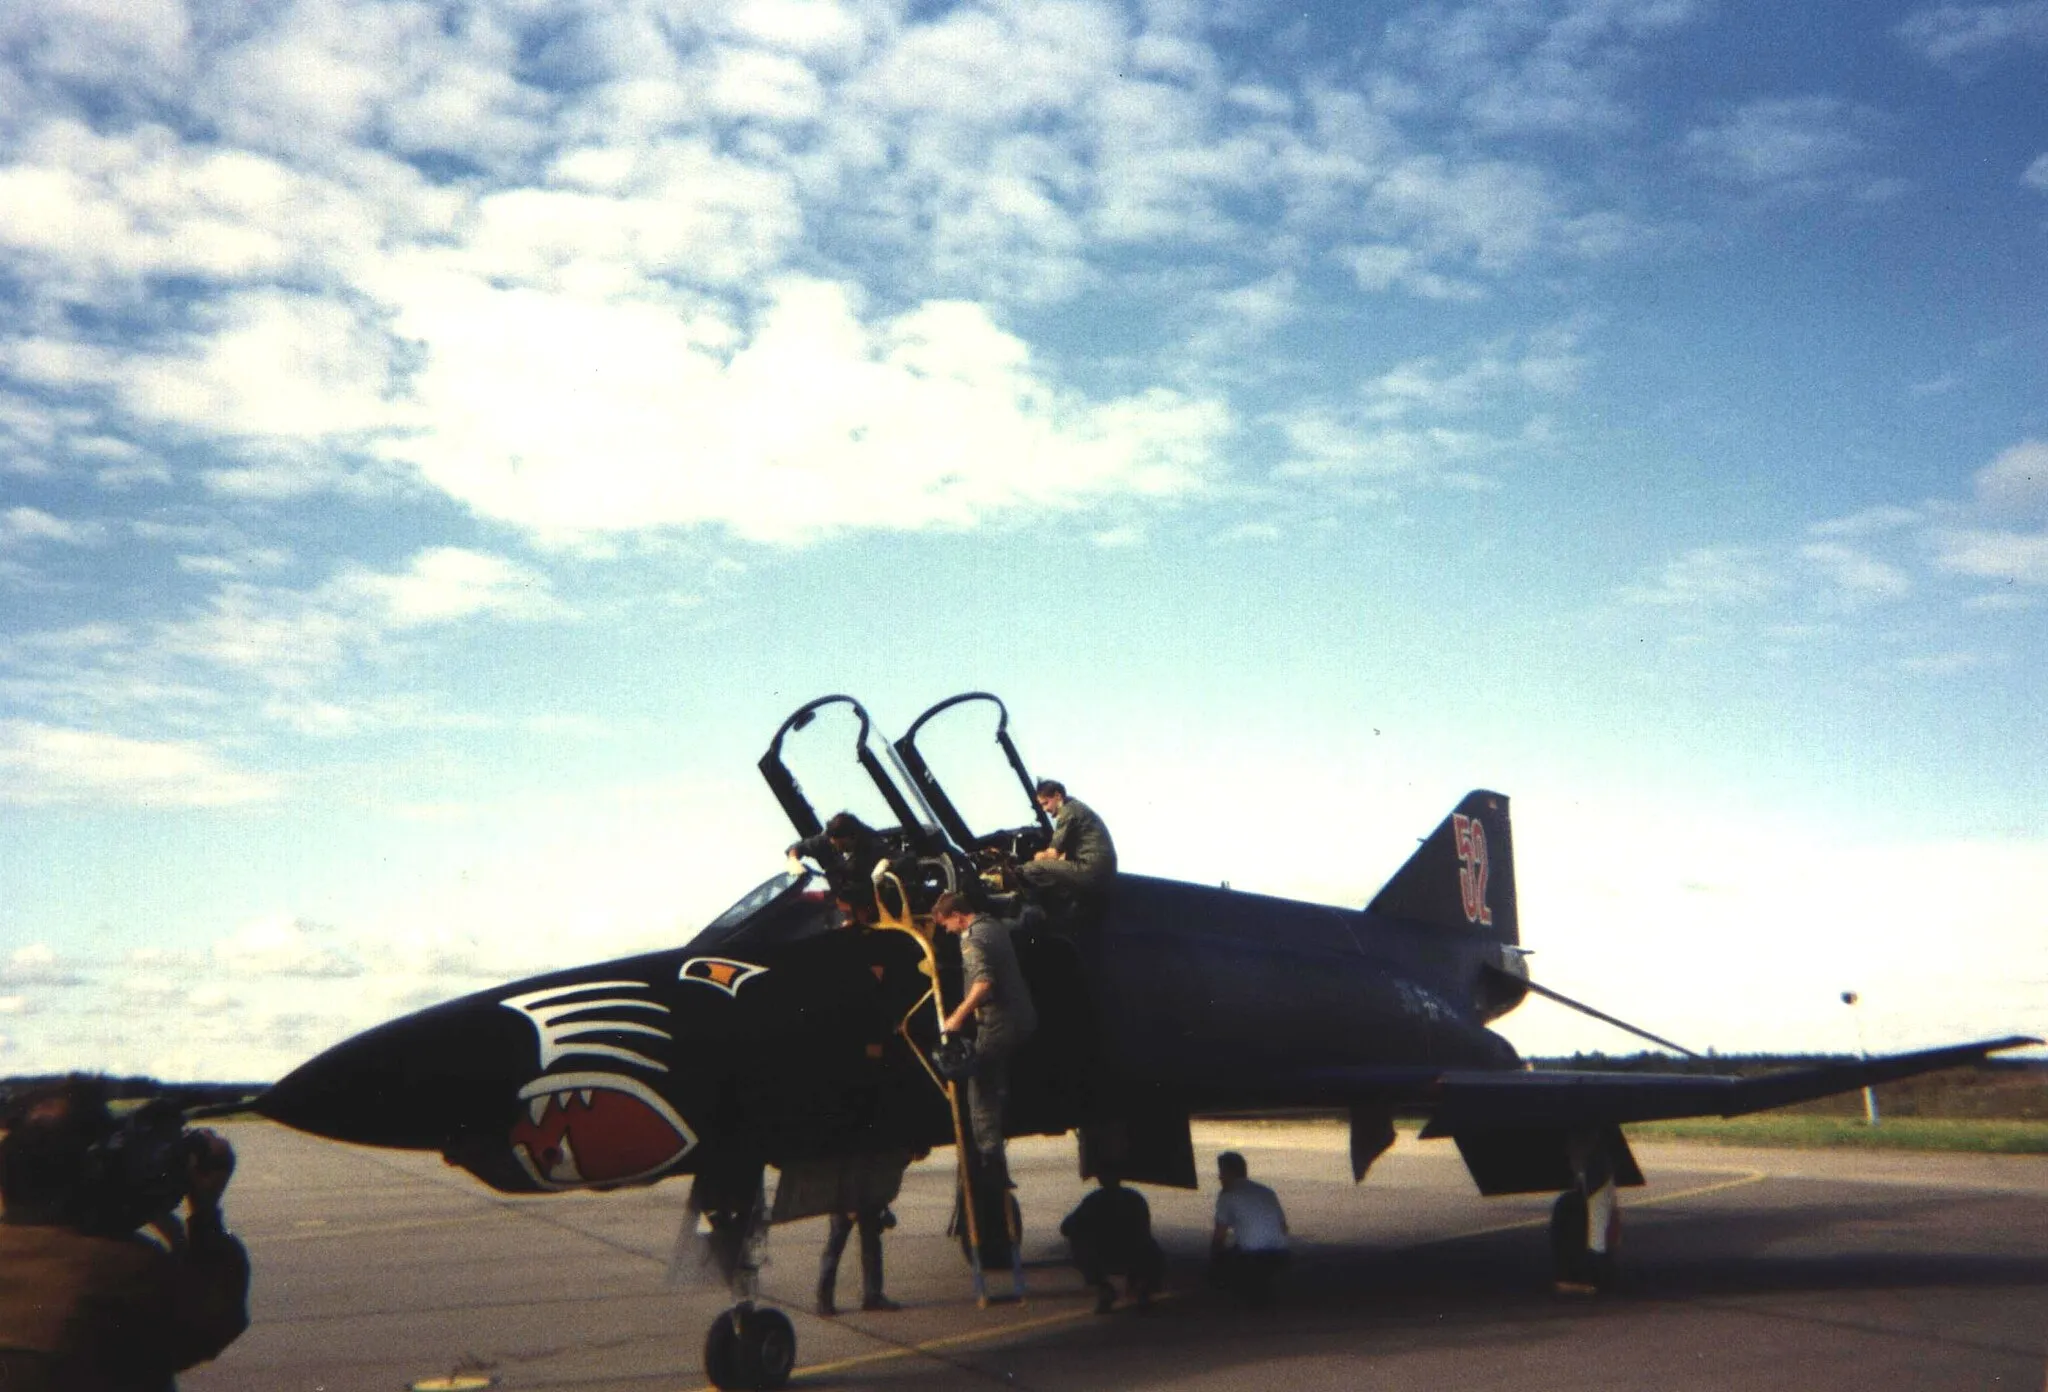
point(562, 1082)
point(416, 1082)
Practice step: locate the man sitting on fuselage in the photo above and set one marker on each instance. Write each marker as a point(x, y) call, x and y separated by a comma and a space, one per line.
point(1081, 859)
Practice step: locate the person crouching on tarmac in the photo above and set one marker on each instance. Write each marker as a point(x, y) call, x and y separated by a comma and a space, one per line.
point(1110, 1234)
point(998, 1000)
point(1249, 1246)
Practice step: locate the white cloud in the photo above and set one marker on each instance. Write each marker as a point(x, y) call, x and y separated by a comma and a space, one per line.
point(52, 764)
point(2016, 483)
point(1870, 521)
point(292, 638)
point(1712, 577)
point(445, 583)
point(1797, 146)
point(38, 964)
point(1855, 576)
point(1549, 364)
point(1993, 554)
point(285, 947)
point(582, 327)
point(1233, 321)
point(1255, 532)
point(1420, 418)
point(275, 365)
point(1325, 445)
point(1967, 38)
point(26, 524)
point(236, 564)
point(1386, 267)
point(564, 416)
point(92, 209)
point(2036, 175)
point(824, 31)
point(82, 40)
point(1516, 68)
point(1486, 216)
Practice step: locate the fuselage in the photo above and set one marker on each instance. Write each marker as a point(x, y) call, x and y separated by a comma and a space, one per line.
point(777, 1036)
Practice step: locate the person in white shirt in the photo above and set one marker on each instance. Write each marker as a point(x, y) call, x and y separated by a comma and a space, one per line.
point(1249, 1246)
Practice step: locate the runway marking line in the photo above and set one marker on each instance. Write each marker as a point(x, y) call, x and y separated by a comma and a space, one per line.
point(322, 1228)
point(1698, 1191)
point(931, 1346)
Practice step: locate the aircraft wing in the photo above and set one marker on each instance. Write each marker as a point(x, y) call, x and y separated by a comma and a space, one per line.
point(1462, 1101)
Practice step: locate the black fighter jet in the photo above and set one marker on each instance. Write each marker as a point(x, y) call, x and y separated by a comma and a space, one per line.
point(801, 1029)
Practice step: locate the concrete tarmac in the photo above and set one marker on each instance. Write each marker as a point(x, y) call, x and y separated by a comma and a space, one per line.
point(1749, 1269)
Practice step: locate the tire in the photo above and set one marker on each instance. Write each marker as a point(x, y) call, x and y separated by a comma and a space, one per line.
point(1569, 1258)
point(769, 1341)
point(722, 1354)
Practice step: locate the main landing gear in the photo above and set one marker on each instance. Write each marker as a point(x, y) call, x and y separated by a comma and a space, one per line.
point(1579, 1265)
point(1585, 1222)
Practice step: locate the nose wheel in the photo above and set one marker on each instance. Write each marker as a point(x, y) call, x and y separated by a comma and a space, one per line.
point(750, 1348)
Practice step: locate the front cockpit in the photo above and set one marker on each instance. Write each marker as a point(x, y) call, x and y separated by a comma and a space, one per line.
point(785, 908)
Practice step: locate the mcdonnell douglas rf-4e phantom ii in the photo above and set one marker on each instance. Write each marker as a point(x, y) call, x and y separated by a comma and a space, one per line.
point(789, 1034)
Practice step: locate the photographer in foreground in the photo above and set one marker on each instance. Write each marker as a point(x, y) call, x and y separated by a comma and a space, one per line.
point(88, 1302)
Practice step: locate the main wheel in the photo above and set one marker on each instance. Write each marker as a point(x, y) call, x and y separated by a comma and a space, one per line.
point(1571, 1255)
point(1568, 1254)
point(722, 1353)
point(769, 1342)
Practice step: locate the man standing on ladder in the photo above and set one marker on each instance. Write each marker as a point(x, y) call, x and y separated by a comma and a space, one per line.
point(999, 1002)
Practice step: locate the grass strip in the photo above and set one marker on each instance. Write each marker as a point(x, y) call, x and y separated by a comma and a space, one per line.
point(1899, 1133)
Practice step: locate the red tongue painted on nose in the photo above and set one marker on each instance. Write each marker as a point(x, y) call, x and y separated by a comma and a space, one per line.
point(611, 1137)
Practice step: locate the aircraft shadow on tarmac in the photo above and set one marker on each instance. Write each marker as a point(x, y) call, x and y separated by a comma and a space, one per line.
point(1495, 1290)
point(1671, 1257)
point(1674, 1257)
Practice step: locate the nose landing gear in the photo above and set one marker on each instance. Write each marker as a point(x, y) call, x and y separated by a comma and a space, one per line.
point(750, 1347)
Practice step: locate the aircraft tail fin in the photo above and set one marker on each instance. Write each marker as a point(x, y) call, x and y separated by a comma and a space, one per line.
point(1462, 876)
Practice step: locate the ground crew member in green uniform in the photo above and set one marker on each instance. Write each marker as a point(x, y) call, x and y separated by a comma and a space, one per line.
point(998, 1000)
point(1081, 858)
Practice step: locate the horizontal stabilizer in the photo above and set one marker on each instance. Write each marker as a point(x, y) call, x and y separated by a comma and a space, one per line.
point(1805, 1084)
point(1482, 1101)
point(1469, 1101)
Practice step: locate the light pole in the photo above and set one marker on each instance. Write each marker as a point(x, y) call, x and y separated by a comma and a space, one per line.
point(1849, 998)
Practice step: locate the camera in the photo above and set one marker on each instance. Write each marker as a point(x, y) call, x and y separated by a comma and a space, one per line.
point(138, 1171)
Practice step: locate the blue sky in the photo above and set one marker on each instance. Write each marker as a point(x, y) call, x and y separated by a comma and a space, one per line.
point(438, 444)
